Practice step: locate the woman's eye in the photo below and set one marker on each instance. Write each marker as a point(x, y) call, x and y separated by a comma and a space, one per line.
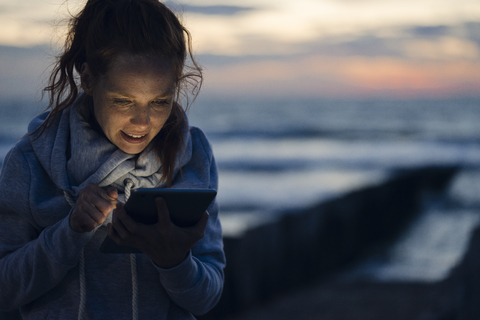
point(161, 102)
point(121, 101)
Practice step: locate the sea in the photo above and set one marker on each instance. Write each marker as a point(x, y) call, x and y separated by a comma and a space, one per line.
point(287, 154)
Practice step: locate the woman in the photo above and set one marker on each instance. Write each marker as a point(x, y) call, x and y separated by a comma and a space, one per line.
point(124, 129)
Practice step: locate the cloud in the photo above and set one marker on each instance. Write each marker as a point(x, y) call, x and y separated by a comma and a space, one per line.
point(460, 41)
point(272, 52)
point(466, 30)
point(413, 61)
point(471, 31)
point(224, 10)
point(423, 31)
point(343, 77)
point(443, 48)
point(310, 75)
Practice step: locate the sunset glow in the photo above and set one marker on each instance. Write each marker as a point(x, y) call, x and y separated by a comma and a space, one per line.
point(349, 77)
point(308, 47)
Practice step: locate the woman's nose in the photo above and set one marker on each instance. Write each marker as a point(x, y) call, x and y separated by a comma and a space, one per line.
point(141, 116)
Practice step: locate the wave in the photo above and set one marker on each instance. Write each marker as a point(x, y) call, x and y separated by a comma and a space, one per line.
point(347, 134)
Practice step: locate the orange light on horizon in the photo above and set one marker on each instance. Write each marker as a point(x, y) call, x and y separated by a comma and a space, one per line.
point(348, 77)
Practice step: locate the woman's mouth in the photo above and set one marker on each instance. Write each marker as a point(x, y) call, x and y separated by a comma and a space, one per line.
point(134, 137)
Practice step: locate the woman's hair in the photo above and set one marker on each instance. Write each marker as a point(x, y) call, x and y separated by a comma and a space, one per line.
point(105, 29)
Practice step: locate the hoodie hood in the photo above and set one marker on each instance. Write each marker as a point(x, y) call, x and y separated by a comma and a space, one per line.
point(73, 154)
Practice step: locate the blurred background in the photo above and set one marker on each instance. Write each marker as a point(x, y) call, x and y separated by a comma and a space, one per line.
point(312, 92)
point(305, 48)
point(305, 101)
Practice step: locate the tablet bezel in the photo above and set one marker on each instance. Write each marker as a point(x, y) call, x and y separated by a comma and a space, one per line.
point(186, 207)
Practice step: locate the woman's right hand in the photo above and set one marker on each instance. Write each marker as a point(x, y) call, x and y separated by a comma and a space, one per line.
point(92, 207)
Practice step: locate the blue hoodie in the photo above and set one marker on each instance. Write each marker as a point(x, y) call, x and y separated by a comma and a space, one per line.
point(40, 253)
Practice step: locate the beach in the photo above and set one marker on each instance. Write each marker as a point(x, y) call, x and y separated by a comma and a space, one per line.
point(277, 157)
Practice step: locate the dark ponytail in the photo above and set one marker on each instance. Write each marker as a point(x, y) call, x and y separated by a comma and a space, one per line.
point(146, 28)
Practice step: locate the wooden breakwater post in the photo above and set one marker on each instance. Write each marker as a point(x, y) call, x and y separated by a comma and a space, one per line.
point(295, 248)
point(465, 282)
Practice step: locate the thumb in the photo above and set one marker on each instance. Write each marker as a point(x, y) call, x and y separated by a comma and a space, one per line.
point(202, 223)
point(201, 226)
point(112, 193)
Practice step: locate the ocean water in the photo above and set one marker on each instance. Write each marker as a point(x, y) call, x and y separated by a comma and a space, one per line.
point(435, 242)
point(287, 154)
point(280, 154)
point(274, 155)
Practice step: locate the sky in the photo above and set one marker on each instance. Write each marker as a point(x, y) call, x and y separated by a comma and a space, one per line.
point(295, 48)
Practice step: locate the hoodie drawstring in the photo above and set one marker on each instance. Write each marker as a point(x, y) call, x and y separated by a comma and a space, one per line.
point(83, 291)
point(81, 264)
point(133, 258)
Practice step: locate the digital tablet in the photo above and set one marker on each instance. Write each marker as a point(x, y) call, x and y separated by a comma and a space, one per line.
point(186, 208)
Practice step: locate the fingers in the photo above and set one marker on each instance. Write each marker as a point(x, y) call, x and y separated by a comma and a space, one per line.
point(92, 207)
point(198, 230)
point(125, 222)
point(104, 201)
point(202, 224)
point(91, 211)
point(164, 242)
point(112, 233)
point(118, 225)
point(124, 230)
point(82, 223)
point(112, 193)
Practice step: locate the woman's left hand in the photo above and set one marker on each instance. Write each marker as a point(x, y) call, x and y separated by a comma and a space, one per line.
point(164, 242)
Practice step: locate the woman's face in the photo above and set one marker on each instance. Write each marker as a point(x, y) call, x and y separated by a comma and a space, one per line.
point(132, 101)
